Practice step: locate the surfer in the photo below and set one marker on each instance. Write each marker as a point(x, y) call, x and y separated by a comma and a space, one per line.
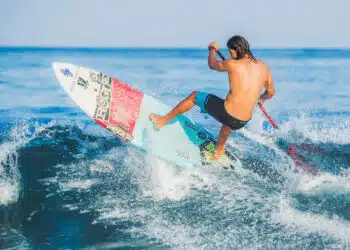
point(248, 77)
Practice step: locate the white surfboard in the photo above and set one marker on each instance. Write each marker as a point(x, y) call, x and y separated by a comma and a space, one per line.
point(124, 111)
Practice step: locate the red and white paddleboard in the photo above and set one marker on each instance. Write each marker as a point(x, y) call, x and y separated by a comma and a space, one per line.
point(124, 111)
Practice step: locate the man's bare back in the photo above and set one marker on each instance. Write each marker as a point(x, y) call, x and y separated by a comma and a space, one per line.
point(247, 78)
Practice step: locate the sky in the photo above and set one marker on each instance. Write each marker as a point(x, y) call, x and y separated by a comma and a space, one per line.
point(180, 23)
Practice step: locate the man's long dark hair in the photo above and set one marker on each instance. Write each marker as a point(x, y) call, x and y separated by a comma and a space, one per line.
point(241, 46)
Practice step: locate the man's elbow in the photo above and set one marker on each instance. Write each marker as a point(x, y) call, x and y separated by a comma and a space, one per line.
point(211, 66)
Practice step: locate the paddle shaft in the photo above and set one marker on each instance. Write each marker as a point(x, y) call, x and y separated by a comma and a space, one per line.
point(267, 116)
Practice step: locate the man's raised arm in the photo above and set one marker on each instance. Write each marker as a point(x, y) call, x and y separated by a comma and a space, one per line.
point(212, 62)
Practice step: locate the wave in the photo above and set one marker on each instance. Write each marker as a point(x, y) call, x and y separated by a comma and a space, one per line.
point(86, 174)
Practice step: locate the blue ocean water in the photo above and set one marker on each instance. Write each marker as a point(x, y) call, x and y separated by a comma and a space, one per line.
point(65, 183)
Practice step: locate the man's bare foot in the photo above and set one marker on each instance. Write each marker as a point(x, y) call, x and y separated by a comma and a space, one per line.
point(216, 156)
point(157, 120)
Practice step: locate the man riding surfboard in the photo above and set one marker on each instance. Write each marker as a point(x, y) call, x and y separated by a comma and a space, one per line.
point(248, 76)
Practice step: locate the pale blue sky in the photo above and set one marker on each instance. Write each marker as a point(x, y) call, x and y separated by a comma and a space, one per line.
point(181, 23)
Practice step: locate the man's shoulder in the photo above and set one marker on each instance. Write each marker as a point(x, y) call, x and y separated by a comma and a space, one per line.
point(263, 64)
point(232, 62)
point(229, 61)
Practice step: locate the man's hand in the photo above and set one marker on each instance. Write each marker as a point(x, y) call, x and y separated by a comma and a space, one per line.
point(215, 45)
point(261, 101)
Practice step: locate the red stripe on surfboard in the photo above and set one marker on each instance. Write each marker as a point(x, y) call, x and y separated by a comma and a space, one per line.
point(125, 106)
point(102, 123)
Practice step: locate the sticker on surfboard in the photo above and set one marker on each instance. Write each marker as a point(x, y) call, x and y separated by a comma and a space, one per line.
point(118, 106)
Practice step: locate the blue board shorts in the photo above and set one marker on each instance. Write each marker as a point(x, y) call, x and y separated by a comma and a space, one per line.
point(214, 106)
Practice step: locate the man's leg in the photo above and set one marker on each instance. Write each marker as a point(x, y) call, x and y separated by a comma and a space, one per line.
point(182, 107)
point(223, 135)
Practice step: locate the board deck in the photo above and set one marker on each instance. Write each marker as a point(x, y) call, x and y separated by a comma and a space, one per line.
point(124, 110)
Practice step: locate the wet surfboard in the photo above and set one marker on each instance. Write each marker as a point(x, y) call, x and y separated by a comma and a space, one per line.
point(124, 110)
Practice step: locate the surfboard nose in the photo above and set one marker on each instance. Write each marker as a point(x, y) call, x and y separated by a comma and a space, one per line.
point(63, 69)
point(57, 65)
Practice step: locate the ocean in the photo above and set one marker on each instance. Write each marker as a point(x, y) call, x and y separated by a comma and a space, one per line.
point(66, 183)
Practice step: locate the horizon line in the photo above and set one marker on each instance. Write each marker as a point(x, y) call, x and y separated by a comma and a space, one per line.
point(164, 47)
